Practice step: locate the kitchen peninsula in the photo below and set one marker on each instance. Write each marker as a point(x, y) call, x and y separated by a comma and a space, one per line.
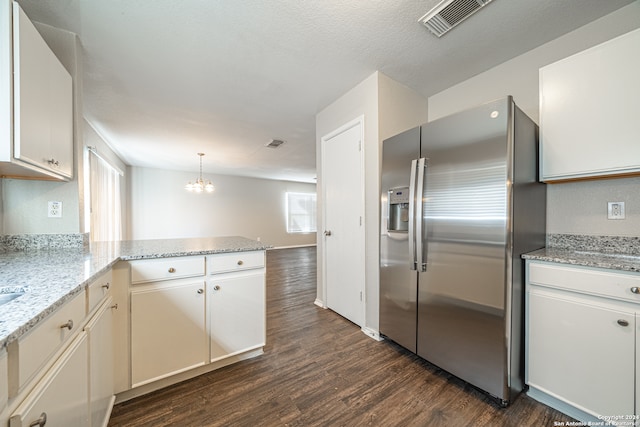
point(165, 309)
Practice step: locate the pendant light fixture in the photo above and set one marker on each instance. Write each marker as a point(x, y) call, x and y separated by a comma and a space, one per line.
point(200, 185)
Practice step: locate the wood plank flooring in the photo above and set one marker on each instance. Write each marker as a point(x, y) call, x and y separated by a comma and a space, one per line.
point(321, 370)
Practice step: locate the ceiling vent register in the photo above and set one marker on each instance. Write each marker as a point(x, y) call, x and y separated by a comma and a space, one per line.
point(274, 143)
point(449, 13)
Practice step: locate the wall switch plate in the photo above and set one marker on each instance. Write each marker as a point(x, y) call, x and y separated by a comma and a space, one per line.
point(615, 210)
point(55, 210)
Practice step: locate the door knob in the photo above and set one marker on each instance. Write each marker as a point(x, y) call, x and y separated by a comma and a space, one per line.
point(327, 232)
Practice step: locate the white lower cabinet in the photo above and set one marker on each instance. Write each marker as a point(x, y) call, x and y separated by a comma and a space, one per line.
point(581, 341)
point(168, 329)
point(192, 314)
point(570, 363)
point(237, 313)
point(101, 371)
point(61, 397)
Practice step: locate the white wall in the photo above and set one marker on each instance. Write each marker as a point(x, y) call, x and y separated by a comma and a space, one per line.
point(388, 108)
point(160, 207)
point(572, 208)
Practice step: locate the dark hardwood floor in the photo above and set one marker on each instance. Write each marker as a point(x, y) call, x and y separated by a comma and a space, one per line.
point(321, 370)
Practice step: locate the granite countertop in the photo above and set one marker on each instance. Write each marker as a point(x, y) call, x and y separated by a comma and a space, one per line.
point(52, 277)
point(587, 258)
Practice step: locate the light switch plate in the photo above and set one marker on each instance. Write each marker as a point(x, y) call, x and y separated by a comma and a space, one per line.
point(615, 210)
point(55, 209)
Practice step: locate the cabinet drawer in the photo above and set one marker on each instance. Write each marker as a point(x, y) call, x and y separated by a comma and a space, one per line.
point(235, 261)
point(33, 350)
point(166, 269)
point(98, 290)
point(601, 282)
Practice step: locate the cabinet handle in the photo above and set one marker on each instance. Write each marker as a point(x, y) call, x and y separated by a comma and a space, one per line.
point(623, 322)
point(53, 162)
point(216, 288)
point(115, 306)
point(40, 421)
point(67, 325)
point(200, 291)
point(107, 285)
point(172, 270)
point(240, 262)
point(635, 290)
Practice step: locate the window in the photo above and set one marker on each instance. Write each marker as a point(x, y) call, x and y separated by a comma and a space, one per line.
point(104, 188)
point(301, 213)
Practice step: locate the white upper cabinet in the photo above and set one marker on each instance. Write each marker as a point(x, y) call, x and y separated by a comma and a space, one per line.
point(590, 110)
point(37, 102)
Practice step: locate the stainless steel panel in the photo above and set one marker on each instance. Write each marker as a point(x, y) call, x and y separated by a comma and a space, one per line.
point(398, 284)
point(462, 294)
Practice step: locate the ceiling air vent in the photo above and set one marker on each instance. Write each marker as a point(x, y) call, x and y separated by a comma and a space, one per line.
point(275, 143)
point(449, 13)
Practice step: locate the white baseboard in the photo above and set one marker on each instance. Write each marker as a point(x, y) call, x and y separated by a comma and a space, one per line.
point(319, 303)
point(585, 418)
point(292, 247)
point(372, 333)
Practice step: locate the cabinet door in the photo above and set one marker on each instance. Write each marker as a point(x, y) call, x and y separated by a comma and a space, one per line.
point(43, 104)
point(168, 330)
point(589, 109)
point(101, 373)
point(581, 353)
point(237, 313)
point(61, 396)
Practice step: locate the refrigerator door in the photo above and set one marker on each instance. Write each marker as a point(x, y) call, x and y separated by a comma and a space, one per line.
point(398, 283)
point(461, 296)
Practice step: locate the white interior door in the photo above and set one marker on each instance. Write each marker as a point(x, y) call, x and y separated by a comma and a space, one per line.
point(343, 202)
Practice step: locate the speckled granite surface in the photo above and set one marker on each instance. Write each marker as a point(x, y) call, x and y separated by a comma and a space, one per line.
point(52, 277)
point(20, 242)
point(613, 252)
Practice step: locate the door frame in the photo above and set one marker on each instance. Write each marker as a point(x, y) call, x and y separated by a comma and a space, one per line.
point(362, 238)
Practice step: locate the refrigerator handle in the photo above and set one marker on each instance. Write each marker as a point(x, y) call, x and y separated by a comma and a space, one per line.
point(421, 261)
point(412, 216)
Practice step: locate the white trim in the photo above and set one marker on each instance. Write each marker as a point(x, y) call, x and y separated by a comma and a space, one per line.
point(308, 245)
point(372, 333)
point(358, 121)
point(320, 303)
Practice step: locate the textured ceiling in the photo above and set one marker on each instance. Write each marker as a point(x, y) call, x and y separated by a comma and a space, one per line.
point(166, 79)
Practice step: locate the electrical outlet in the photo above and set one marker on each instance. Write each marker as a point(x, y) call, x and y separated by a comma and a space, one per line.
point(54, 209)
point(615, 210)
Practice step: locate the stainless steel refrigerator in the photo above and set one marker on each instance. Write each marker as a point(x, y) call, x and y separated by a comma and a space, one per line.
point(461, 202)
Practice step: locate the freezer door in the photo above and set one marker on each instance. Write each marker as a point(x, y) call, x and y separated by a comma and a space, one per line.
point(461, 297)
point(398, 283)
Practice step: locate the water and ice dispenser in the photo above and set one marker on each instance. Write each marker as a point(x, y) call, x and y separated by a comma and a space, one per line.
point(398, 209)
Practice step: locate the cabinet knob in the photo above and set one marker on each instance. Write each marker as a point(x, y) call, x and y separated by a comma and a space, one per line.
point(106, 285)
point(635, 290)
point(40, 421)
point(200, 291)
point(115, 306)
point(68, 325)
point(53, 162)
point(216, 288)
point(172, 270)
point(623, 322)
point(240, 262)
